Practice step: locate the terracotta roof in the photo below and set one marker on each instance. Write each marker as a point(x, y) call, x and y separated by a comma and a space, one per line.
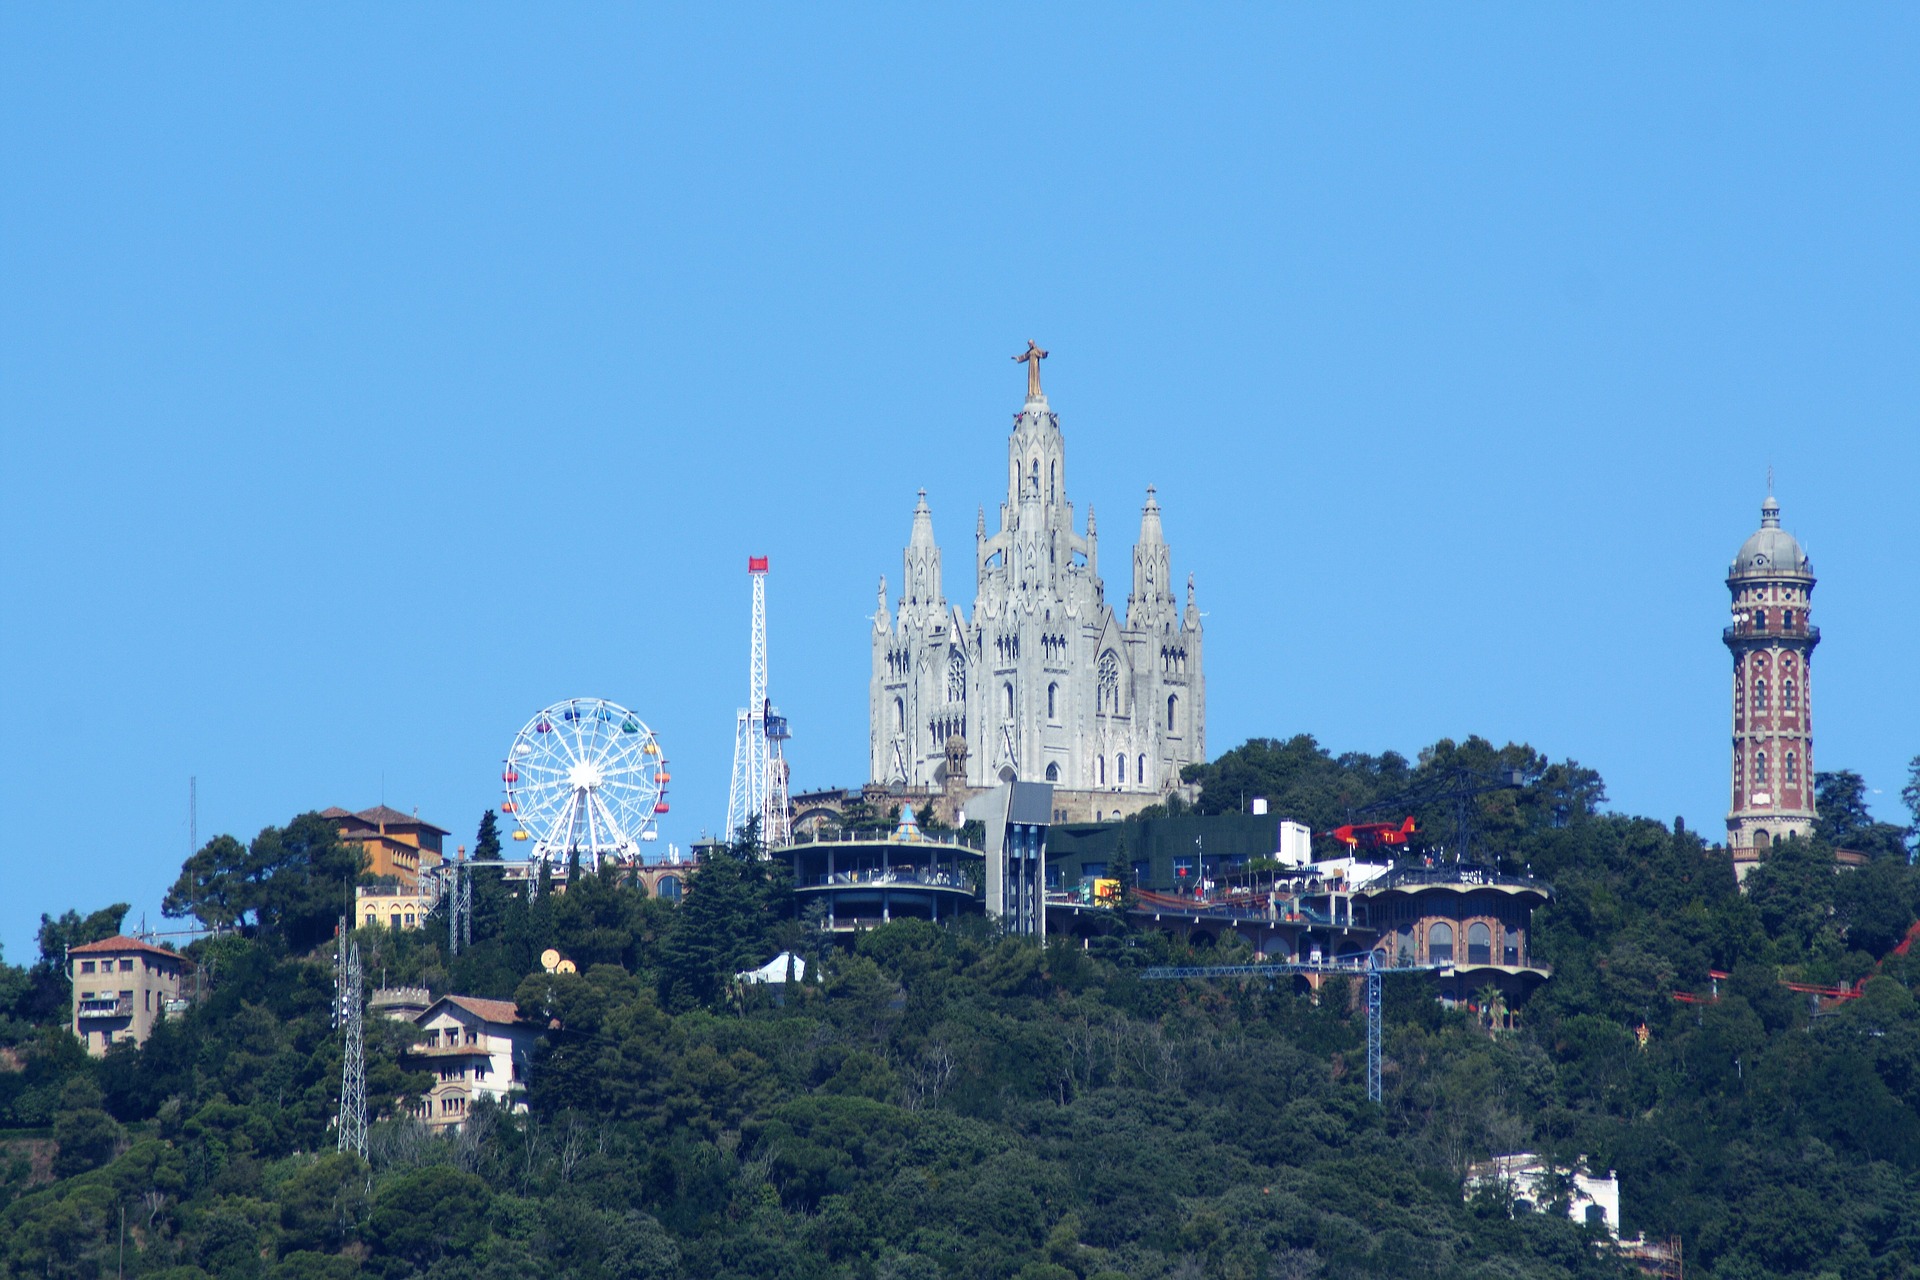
point(380, 813)
point(335, 811)
point(121, 942)
point(504, 1011)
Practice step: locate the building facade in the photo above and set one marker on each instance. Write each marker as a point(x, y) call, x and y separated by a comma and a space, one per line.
point(399, 846)
point(1771, 638)
point(475, 1049)
point(121, 987)
point(1044, 682)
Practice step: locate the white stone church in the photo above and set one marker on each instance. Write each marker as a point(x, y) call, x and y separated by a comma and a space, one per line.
point(1044, 682)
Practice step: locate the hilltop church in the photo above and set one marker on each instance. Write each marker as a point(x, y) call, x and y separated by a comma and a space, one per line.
point(1044, 682)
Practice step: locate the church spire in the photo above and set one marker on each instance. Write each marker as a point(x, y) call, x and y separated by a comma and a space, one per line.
point(1151, 603)
point(922, 565)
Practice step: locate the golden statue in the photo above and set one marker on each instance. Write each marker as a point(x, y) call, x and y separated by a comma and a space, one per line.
point(1032, 357)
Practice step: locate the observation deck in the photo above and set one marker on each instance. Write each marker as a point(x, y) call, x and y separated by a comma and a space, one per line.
point(1748, 634)
point(864, 878)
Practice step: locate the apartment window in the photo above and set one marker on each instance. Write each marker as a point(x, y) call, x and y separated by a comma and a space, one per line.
point(372, 919)
point(86, 966)
point(433, 1039)
point(473, 1037)
point(409, 919)
point(126, 966)
point(396, 919)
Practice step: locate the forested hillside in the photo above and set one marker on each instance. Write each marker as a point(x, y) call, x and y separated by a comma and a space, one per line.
point(950, 1103)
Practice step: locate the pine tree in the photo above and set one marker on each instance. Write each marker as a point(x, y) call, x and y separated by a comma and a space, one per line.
point(486, 845)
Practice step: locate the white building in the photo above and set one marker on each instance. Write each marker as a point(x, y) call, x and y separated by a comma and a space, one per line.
point(1044, 682)
point(1530, 1181)
point(476, 1049)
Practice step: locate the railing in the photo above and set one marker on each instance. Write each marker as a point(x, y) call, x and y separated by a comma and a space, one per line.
point(118, 1007)
point(888, 835)
point(885, 879)
point(1469, 877)
point(1748, 631)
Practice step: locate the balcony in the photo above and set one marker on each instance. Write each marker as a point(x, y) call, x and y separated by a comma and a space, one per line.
point(106, 1007)
point(1745, 632)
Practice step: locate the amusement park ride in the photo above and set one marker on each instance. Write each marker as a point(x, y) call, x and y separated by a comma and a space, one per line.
point(585, 776)
point(759, 787)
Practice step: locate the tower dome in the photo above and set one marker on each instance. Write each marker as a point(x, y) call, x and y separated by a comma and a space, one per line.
point(1771, 552)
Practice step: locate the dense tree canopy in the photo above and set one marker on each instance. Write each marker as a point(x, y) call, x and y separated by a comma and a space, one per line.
point(949, 1102)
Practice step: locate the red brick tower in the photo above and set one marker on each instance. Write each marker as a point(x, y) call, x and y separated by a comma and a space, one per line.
point(1772, 641)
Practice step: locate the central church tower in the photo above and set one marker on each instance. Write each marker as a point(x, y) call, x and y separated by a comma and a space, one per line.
point(1043, 682)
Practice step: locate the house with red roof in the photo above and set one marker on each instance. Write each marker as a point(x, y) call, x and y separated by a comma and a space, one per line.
point(121, 987)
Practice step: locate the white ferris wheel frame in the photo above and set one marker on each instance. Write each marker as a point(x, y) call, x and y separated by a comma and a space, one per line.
point(585, 774)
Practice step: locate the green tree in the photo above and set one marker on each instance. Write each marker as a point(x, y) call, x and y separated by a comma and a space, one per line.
point(486, 844)
point(292, 882)
point(1844, 821)
point(85, 1135)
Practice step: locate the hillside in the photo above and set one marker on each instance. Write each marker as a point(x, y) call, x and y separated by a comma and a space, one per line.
point(944, 1102)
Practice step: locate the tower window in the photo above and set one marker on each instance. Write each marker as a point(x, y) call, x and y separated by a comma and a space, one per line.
point(1787, 694)
point(899, 714)
point(1786, 618)
point(1793, 767)
point(1053, 693)
point(1173, 705)
point(1759, 769)
point(956, 677)
point(1007, 697)
point(1760, 695)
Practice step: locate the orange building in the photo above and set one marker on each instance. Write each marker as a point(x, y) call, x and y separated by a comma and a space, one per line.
point(399, 846)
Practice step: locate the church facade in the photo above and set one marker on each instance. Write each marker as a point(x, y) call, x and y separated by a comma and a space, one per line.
point(1043, 681)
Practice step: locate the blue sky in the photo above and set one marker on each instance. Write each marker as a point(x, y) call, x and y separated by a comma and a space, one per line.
point(370, 378)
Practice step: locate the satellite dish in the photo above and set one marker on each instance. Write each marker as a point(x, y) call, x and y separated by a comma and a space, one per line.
point(566, 966)
point(549, 958)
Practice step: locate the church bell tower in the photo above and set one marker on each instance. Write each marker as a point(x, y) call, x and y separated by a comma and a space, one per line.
point(1772, 639)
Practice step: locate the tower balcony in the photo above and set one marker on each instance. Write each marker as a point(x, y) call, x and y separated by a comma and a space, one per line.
point(1746, 633)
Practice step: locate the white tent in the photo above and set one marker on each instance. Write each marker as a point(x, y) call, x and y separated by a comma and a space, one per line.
point(774, 970)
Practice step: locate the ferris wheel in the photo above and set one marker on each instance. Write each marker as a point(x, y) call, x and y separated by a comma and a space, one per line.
point(588, 775)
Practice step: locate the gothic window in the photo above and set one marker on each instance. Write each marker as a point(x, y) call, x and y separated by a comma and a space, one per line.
point(1100, 771)
point(1053, 773)
point(1108, 686)
point(1479, 943)
point(1759, 770)
point(1759, 695)
point(1120, 767)
point(1053, 472)
point(956, 677)
point(1053, 694)
point(1036, 477)
point(1793, 767)
point(899, 714)
point(1173, 706)
point(1142, 775)
point(1006, 691)
point(1440, 943)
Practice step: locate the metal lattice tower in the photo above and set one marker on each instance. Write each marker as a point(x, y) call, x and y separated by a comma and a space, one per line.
point(353, 1065)
point(1272, 969)
point(1373, 1026)
point(776, 821)
point(747, 796)
point(459, 893)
